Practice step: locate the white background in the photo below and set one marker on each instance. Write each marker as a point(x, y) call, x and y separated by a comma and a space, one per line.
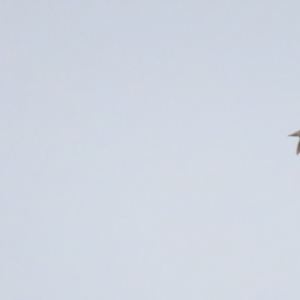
point(144, 150)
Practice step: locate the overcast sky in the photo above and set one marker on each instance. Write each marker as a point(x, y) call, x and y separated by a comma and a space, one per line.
point(144, 151)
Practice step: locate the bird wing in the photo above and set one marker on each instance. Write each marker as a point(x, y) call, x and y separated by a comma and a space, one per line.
point(298, 148)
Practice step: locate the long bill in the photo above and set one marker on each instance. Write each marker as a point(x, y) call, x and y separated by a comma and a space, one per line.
point(297, 133)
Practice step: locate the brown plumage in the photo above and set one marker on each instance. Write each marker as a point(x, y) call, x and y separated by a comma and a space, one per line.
point(297, 133)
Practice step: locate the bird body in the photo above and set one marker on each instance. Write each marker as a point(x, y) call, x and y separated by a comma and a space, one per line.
point(297, 133)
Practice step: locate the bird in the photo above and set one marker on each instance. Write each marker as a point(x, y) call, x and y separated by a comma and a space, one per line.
point(297, 133)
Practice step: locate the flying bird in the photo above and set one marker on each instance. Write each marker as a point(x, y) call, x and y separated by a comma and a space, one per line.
point(297, 133)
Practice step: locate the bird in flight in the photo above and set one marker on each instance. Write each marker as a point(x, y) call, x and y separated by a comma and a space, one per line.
point(297, 133)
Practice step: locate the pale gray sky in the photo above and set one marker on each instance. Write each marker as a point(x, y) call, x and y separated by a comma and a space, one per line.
point(144, 150)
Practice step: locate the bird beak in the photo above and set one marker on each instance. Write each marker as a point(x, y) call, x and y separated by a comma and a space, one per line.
point(293, 134)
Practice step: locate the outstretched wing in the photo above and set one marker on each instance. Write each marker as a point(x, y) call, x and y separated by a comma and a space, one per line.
point(298, 148)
